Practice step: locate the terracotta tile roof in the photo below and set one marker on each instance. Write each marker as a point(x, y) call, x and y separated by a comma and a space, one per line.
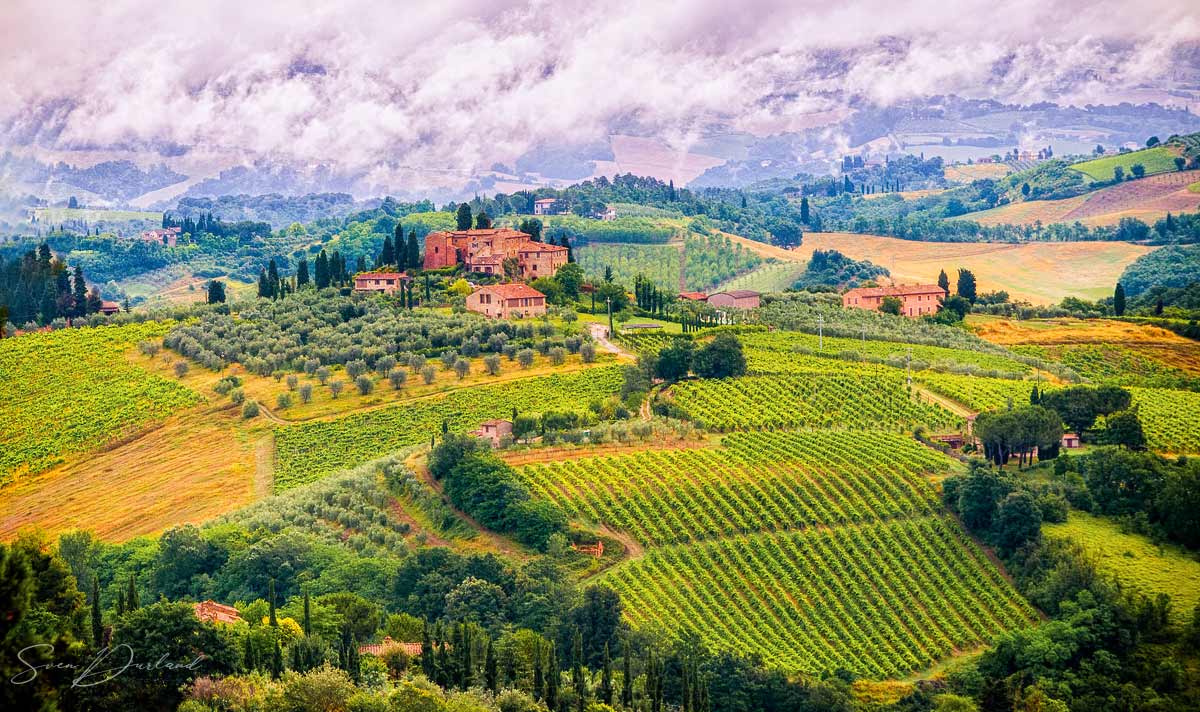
point(485, 232)
point(380, 275)
point(110, 305)
point(739, 293)
point(411, 649)
point(900, 291)
point(543, 201)
point(694, 296)
point(510, 291)
point(213, 612)
point(541, 247)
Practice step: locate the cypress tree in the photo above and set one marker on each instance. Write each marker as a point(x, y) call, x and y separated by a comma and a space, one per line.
point(606, 690)
point(322, 271)
point(271, 602)
point(578, 682)
point(120, 603)
point(1119, 300)
point(97, 622)
point(80, 293)
point(490, 671)
point(552, 680)
point(277, 661)
point(302, 272)
point(442, 673)
point(427, 661)
point(944, 281)
point(626, 676)
point(131, 597)
point(249, 662)
point(413, 259)
point(539, 680)
point(387, 256)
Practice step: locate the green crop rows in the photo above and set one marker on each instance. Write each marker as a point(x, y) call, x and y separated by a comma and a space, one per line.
point(808, 401)
point(756, 482)
point(817, 550)
point(1171, 419)
point(978, 393)
point(73, 390)
point(881, 599)
point(310, 451)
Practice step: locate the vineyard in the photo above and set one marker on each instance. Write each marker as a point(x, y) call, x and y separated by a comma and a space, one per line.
point(978, 393)
point(891, 351)
point(76, 392)
point(756, 482)
point(1171, 419)
point(706, 262)
point(881, 599)
point(310, 451)
point(816, 401)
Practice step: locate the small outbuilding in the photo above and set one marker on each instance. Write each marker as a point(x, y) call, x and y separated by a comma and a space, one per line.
point(736, 298)
point(494, 430)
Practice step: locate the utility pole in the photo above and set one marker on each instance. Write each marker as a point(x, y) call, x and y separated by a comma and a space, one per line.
point(864, 335)
point(611, 333)
point(821, 332)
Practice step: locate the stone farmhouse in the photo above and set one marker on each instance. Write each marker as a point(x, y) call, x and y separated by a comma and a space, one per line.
point(507, 301)
point(485, 251)
point(735, 298)
point(382, 282)
point(212, 612)
point(915, 299)
point(166, 236)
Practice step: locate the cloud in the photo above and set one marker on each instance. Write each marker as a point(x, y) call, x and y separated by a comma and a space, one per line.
point(425, 93)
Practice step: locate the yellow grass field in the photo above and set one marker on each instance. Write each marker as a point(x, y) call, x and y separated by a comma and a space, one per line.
point(1151, 342)
point(205, 460)
point(1038, 272)
point(963, 173)
point(1148, 199)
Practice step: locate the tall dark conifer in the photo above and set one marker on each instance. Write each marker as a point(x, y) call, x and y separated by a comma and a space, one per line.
point(97, 621)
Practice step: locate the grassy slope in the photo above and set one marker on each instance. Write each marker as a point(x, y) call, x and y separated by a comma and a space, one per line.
point(1136, 560)
point(56, 215)
point(1159, 159)
point(1079, 269)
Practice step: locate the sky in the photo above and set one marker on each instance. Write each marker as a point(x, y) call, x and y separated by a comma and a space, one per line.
point(456, 85)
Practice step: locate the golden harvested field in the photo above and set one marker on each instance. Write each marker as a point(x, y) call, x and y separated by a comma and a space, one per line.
point(963, 173)
point(204, 460)
point(198, 465)
point(1039, 272)
point(1147, 199)
point(1151, 342)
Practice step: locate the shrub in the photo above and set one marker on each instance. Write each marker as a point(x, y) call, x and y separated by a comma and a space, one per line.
point(587, 352)
point(283, 401)
point(181, 369)
point(237, 395)
point(250, 409)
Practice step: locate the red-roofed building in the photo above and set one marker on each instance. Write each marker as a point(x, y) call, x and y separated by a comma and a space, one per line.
point(385, 282)
point(485, 250)
point(213, 612)
point(109, 308)
point(168, 236)
point(412, 650)
point(694, 296)
point(506, 301)
point(915, 299)
point(494, 430)
point(736, 298)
